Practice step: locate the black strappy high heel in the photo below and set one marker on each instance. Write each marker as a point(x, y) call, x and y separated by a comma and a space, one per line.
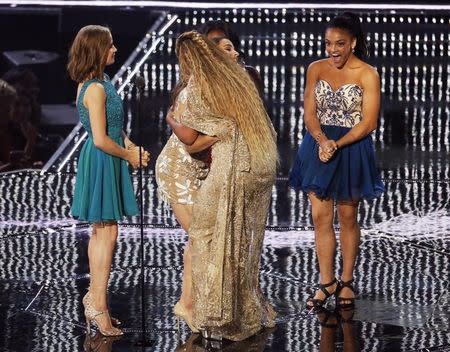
point(315, 303)
point(340, 300)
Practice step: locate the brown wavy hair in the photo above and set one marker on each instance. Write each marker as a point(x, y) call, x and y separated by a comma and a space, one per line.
point(88, 53)
point(228, 90)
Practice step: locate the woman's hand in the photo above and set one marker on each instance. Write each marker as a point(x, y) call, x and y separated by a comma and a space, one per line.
point(128, 143)
point(133, 157)
point(327, 150)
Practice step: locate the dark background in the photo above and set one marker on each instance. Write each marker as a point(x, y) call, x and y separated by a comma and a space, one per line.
point(53, 30)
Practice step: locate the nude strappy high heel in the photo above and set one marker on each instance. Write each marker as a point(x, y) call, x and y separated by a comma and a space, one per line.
point(181, 312)
point(114, 321)
point(91, 315)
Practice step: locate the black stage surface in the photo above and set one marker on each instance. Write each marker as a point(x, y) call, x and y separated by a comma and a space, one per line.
point(402, 274)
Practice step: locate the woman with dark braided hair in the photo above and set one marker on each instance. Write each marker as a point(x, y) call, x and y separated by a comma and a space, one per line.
point(218, 30)
point(335, 163)
point(223, 109)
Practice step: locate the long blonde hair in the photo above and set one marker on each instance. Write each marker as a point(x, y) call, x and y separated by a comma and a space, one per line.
point(228, 91)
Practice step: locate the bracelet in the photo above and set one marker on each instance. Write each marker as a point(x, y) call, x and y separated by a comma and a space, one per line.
point(318, 136)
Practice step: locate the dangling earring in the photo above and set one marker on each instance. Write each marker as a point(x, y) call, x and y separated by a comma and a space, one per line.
point(353, 49)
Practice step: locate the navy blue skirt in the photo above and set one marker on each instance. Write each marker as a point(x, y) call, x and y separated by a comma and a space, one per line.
point(350, 175)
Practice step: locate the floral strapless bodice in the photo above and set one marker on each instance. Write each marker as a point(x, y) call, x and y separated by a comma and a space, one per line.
point(340, 107)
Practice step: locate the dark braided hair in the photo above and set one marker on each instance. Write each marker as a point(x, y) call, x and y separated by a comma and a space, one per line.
point(223, 27)
point(349, 22)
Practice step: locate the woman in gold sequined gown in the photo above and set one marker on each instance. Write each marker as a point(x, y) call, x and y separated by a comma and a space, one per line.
point(179, 176)
point(230, 211)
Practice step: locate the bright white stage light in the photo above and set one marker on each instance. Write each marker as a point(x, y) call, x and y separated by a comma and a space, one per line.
point(225, 5)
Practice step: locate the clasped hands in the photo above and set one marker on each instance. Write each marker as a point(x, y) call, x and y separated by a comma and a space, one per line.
point(327, 149)
point(133, 158)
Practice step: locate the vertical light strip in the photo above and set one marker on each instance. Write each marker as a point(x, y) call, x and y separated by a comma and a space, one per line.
point(147, 54)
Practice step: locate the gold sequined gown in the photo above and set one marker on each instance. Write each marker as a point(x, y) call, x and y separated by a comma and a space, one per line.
point(178, 175)
point(227, 231)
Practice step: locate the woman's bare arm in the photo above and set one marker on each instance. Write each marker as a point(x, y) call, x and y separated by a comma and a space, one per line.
point(201, 143)
point(185, 134)
point(310, 115)
point(95, 102)
point(370, 109)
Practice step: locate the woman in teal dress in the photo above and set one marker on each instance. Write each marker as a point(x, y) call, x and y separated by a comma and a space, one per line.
point(103, 189)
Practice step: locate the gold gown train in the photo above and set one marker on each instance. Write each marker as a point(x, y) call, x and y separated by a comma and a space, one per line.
point(227, 231)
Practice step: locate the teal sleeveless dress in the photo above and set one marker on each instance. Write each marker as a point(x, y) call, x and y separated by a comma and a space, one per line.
point(103, 188)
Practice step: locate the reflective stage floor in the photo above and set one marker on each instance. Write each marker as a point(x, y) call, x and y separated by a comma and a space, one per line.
point(402, 274)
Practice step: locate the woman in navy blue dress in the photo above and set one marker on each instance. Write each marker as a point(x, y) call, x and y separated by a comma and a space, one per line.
point(335, 163)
